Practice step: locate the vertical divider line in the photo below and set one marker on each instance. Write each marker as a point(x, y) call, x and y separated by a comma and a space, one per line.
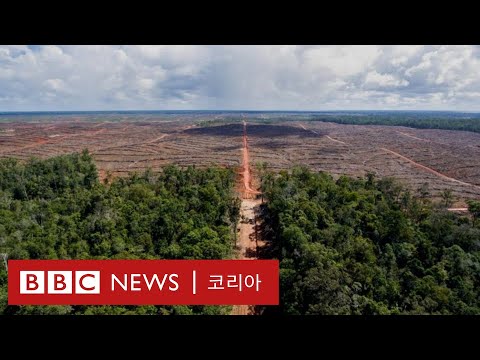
point(194, 282)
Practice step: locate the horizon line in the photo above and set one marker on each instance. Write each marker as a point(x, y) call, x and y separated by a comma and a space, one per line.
point(236, 110)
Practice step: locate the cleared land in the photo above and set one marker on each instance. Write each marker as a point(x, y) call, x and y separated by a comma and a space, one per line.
point(247, 242)
point(444, 159)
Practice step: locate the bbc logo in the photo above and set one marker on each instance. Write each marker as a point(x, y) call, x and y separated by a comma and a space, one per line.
point(59, 282)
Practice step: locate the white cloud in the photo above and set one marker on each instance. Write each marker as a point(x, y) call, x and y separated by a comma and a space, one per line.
point(56, 85)
point(239, 77)
point(341, 60)
point(373, 78)
point(400, 55)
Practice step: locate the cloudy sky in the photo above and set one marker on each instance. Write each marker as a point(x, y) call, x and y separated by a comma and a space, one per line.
point(239, 77)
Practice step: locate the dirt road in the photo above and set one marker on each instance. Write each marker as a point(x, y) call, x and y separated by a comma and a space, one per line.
point(428, 169)
point(247, 238)
point(247, 243)
point(338, 141)
point(328, 137)
point(304, 128)
point(411, 136)
point(156, 139)
point(247, 178)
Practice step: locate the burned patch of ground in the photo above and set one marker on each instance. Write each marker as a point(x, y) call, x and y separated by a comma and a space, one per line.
point(226, 148)
point(254, 131)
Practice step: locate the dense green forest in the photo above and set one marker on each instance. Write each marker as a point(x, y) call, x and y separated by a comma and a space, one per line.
point(420, 120)
point(346, 246)
point(58, 209)
point(369, 246)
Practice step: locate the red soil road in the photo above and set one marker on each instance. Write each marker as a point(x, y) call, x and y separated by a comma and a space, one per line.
point(247, 178)
point(247, 238)
point(428, 169)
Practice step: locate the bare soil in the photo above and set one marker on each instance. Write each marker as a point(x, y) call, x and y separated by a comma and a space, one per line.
point(428, 169)
point(248, 242)
point(247, 178)
point(121, 146)
point(248, 237)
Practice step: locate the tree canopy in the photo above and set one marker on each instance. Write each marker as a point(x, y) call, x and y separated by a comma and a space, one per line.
point(57, 209)
point(366, 246)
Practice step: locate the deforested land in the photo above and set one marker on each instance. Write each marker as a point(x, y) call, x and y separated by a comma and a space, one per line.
point(368, 212)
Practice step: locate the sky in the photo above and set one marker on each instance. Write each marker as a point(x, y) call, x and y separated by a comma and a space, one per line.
point(360, 77)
